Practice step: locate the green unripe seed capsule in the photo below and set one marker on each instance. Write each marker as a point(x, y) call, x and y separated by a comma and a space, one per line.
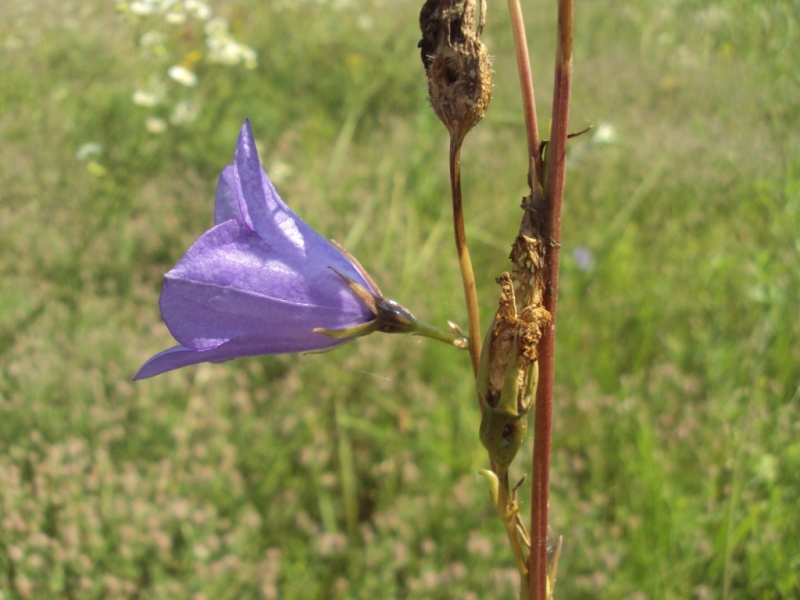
point(504, 418)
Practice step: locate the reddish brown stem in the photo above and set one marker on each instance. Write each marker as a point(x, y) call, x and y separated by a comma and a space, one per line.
point(554, 192)
point(525, 82)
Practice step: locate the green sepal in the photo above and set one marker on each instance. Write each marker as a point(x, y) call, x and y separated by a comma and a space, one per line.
point(390, 317)
point(494, 484)
point(353, 332)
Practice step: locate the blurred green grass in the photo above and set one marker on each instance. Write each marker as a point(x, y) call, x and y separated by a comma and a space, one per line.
point(676, 467)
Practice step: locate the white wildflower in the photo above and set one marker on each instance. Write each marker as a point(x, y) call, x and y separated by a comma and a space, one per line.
point(184, 112)
point(216, 27)
point(144, 8)
point(145, 98)
point(249, 56)
point(223, 51)
point(223, 48)
point(175, 17)
point(155, 125)
point(196, 8)
point(182, 75)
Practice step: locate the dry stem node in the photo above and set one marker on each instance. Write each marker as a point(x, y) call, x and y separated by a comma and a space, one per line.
point(456, 63)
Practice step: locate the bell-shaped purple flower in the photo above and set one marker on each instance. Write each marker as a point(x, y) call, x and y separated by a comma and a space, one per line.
point(263, 282)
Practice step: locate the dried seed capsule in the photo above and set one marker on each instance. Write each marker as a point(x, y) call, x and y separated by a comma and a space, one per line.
point(507, 377)
point(504, 418)
point(456, 62)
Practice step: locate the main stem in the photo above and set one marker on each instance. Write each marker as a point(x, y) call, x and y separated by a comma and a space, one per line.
point(554, 193)
point(464, 262)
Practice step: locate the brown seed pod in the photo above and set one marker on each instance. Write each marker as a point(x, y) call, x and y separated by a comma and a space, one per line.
point(456, 62)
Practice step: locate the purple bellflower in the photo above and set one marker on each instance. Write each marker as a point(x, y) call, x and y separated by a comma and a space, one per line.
point(261, 281)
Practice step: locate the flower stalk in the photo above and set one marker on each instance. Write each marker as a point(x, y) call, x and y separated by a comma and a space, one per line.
point(464, 261)
point(459, 89)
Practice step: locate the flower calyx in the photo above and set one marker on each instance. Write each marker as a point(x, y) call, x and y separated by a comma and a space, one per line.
point(390, 316)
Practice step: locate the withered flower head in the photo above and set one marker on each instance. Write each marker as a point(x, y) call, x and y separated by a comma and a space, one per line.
point(456, 62)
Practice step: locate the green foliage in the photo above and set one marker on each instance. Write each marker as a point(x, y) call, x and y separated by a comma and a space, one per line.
point(353, 474)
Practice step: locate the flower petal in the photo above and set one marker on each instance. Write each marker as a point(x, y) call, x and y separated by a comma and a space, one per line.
point(170, 359)
point(226, 203)
point(234, 285)
point(261, 207)
point(181, 356)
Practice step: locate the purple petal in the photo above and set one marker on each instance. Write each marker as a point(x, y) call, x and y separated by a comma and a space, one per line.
point(180, 356)
point(173, 358)
point(258, 201)
point(226, 204)
point(264, 212)
point(234, 285)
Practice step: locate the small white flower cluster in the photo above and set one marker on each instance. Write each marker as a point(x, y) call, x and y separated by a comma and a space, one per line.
point(175, 12)
point(223, 47)
point(182, 75)
point(159, 45)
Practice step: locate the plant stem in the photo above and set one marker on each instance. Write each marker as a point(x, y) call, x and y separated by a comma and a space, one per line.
point(508, 509)
point(464, 262)
point(526, 85)
point(554, 192)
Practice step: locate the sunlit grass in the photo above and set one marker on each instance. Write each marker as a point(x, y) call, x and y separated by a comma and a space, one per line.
point(353, 474)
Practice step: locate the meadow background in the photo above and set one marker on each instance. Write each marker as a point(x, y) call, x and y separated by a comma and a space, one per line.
point(352, 474)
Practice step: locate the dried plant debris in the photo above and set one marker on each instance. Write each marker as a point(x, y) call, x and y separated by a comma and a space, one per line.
point(508, 374)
